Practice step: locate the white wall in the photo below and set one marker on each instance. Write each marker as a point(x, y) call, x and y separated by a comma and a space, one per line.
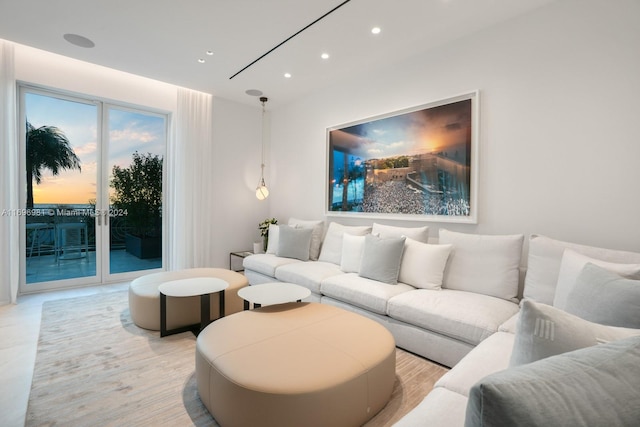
point(559, 146)
point(236, 137)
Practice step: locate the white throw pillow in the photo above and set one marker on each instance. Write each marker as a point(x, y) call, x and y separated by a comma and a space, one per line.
point(316, 236)
point(604, 297)
point(332, 246)
point(352, 248)
point(545, 256)
point(572, 264)
point(423, 264)
point(421, 234)
point(543, 331)
point(483, 264)
point(274, 234)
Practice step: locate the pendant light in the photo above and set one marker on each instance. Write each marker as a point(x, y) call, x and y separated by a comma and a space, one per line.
point(261, 191)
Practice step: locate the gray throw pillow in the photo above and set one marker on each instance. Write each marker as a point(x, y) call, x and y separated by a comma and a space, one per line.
point(381, 258)
point(294, 242)
point(595, 386)
point(602, 296)
point(544, 331)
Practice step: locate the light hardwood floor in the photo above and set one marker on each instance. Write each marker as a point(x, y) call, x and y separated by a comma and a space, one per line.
point(19, 330)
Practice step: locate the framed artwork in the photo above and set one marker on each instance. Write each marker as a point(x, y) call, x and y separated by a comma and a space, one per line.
point(420, 163)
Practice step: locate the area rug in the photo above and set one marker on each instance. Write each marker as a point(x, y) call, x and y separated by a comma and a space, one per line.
point(95, 367)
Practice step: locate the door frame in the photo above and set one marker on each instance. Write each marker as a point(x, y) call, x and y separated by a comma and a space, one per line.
point(102, 250)
point(107, 276)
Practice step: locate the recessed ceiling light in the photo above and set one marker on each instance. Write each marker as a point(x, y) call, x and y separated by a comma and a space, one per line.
point(375, 30)
point(209, 52)
point(324, 56)
point(201, 60)
point(287, 75)
point(79, 40)
point(253, 92)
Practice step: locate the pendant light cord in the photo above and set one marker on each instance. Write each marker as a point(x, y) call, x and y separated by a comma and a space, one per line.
point(263, 100)
point(261, 191)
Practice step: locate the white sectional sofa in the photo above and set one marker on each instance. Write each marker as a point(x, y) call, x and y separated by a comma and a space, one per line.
point(457, 303)
point(440, 323)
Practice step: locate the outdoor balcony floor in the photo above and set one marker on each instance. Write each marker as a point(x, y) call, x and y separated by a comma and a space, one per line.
point(44, 268)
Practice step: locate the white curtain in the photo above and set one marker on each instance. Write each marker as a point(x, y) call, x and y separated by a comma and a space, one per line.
point(190, 172)
point(9, 177)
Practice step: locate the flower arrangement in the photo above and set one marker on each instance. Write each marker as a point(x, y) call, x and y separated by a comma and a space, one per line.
point(264, 230)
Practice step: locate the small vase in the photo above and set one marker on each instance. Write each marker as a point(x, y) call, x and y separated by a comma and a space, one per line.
point(257, 248)
point(265, 243)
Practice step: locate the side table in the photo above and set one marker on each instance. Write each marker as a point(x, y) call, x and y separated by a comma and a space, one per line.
point(191, 287)
point(235, 257)
point(272, 293)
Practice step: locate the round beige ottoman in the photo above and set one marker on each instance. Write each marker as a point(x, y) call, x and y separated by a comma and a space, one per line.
point(295, 364)
point(144, 298)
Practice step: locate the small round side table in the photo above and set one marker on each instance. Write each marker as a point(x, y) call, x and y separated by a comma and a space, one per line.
point(191, 287)
point(272, 293)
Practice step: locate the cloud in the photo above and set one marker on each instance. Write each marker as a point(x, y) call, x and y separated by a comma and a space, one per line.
point(390, 149)
point(90, 167)
point(132, 135)
point(88, 148)
point(396, 145)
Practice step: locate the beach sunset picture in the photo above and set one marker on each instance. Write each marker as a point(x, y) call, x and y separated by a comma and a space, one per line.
point(418, 162)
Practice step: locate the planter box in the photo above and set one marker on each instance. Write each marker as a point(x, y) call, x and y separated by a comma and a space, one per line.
point(143, 248)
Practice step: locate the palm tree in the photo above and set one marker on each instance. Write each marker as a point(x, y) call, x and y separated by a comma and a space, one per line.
point(47, 148)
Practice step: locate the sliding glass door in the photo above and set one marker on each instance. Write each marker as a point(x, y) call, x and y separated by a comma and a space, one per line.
point(93, 190)
point(136, 145)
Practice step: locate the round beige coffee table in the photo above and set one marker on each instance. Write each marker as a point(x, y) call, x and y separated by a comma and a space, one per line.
point(295, 364)
point(272, 293)
point(191, 287)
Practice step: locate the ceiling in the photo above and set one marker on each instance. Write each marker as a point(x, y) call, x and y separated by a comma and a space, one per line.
point(163, 39)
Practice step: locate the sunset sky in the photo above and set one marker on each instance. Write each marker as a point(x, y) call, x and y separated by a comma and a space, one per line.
point(423, 131)
point(128, 132)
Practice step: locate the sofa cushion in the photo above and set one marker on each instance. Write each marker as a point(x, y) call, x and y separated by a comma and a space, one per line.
point(362, 292)
point(421, 234)
point(266, 263)
point(491, 355)
point(604, 297)
point(510, 324)
point(572, 264)
point(544, 331)
point(441, 408)
point(294, 242)
point(352, 249)
point(307, 274)
point(595, 386)
point(316, 236)
point(423, 264)
point(483, 264)
point(381, 258)
point(274, 239)
point(544, 259)
point(465, 316)
point(332, 245)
